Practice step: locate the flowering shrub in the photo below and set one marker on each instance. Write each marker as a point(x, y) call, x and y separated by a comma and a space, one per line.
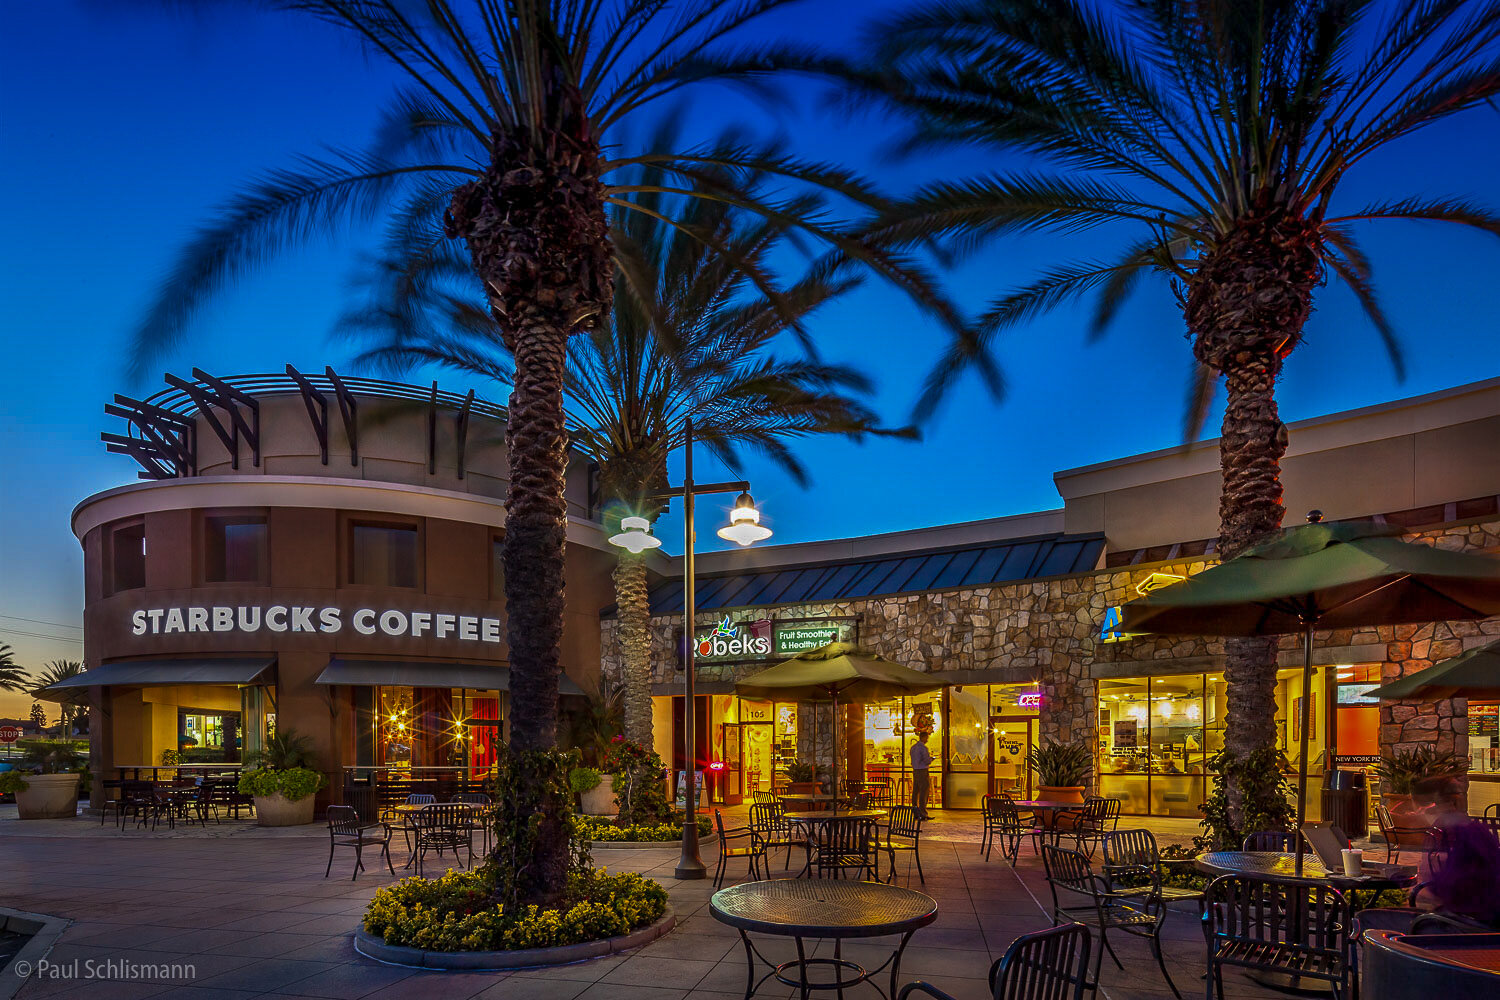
point(457, 913)
point(640, 782)
point(603, 828)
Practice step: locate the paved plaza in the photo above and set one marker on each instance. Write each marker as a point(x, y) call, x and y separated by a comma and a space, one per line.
point(250, 912)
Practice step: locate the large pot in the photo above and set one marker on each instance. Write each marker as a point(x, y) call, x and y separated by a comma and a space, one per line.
point(1059, 793)
point(804, 787)
point(278, 810)
point(600, 800)
point(1410, 816)
point(49, 796)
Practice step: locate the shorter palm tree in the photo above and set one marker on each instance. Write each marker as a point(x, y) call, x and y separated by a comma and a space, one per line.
point(691, 337)
point(13, 676)
point(73, 700)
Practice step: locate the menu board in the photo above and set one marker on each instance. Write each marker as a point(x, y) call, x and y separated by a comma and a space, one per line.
point(1125, 734)
point(1484, 720)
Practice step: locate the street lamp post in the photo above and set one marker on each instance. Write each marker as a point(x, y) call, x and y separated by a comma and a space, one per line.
point(744, 528)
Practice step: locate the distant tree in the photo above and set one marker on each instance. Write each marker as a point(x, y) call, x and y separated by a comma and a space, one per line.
point(13, 677)
point(38, 715)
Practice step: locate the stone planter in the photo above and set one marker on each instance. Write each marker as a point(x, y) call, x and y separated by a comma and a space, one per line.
point(278, 810)
point(48, 796)
point(600, 800)
point(473, 961)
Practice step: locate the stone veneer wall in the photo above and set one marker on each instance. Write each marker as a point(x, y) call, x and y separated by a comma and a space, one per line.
point(1047, 631)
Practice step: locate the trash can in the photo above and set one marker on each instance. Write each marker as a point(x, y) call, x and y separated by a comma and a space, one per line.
point(1346, 802)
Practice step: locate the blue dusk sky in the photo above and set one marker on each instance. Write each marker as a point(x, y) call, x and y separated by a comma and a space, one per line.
point(125, 124)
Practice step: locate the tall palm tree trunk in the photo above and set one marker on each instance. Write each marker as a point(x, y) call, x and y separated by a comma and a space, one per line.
point(1246, 306)
point(634, 614)
point(536, 231)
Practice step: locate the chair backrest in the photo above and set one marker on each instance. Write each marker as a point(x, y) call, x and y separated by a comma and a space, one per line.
point(1493, 809)
point(1266, 911)
point(1045, 965)
point(1068, 870)
point(905, 822)
point(1271, 840)
point(445, 814)
point(420, 799)
point(1131, 849)
point(760, 796)
point(471, 798)
point(846, 836)
point(343, 819)
point(767, 817)
point(719, 825)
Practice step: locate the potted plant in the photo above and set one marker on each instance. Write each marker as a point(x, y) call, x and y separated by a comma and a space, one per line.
point(595, 790)
point(1411, 782)
point(283, 780)
point(802, 778)
point(1062, 769)
point(46, 784)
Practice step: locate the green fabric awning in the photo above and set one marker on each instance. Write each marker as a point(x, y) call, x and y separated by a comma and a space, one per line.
point(1342, 575)
point(158, 673)
point(425, 674)
point(837, 671)
point(1474, 673)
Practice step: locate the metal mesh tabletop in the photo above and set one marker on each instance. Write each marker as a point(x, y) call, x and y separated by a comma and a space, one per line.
point(822, 908)
point(1281, 865)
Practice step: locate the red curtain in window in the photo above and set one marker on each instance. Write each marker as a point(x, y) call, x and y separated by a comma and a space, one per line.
point(481, 738)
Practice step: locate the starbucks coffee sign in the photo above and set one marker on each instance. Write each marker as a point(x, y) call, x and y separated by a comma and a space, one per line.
point(748, 640)
point(256, 619)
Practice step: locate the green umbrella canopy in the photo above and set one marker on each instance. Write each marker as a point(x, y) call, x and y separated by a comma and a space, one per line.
point(1473, 674)
point(838, 670)
point(1341, 575)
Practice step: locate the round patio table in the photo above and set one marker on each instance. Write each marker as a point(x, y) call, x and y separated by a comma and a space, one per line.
point(826, 908)
point(408, 811)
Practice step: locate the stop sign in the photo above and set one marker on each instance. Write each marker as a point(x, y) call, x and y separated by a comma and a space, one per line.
point(9, 734)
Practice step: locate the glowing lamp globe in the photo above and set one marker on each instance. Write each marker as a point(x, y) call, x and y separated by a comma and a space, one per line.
point(635, 535)
point(744, 523)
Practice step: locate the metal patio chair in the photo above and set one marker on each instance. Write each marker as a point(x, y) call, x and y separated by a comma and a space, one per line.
point(440, 827)
point(1296, 929)
point(480, 819)
point(1045, 965)
point(753, 850)
point(1132, 866)
point(845, 845)
point(408, 824)
point(346, 829)
point(1279, 841)
point(1078, 894)
point(1099, 817)
point(903, 832)
point(769, 822)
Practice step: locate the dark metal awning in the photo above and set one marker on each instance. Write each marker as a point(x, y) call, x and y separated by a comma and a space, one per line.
point(154, 673)
point(408, 673)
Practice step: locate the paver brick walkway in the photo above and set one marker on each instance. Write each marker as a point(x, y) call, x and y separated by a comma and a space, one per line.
point(253, 917)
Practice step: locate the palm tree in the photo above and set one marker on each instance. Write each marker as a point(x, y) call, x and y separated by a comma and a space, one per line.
point(1212, 136)
point(510, 136)
point(55, 672)
point(697, 345)
point(13, 676)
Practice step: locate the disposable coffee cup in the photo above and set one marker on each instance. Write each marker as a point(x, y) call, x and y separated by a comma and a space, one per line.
point(1353, 862)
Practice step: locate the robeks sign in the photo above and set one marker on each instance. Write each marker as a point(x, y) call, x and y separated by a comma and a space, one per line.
point(256, 619)
point(729, 641)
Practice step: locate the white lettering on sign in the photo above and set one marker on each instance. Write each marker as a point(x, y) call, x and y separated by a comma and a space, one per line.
point(304, 618)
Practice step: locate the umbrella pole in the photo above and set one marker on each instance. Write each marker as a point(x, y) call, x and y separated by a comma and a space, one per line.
point(835, 745)
point(1307, 646)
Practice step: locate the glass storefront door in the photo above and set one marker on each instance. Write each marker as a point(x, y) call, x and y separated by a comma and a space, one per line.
point(757, 743)
point(1011, 740)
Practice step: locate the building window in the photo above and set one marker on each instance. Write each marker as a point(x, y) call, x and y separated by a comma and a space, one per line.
point(127, 557)
point(234, 549)
point(383, 555)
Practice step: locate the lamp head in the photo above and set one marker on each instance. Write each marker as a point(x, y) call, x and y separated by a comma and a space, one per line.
point(635, 535)
point(744, 522)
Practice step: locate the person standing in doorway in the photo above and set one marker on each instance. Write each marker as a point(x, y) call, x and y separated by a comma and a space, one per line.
point(921, 760)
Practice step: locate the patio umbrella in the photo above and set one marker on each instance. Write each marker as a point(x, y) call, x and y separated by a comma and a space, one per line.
point(1474, 673)
point(1343, 575)
point(837, 670)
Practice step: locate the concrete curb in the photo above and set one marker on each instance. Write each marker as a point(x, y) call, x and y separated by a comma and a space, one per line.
point(530, 958)
point(634, 845)
point(44, 931)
